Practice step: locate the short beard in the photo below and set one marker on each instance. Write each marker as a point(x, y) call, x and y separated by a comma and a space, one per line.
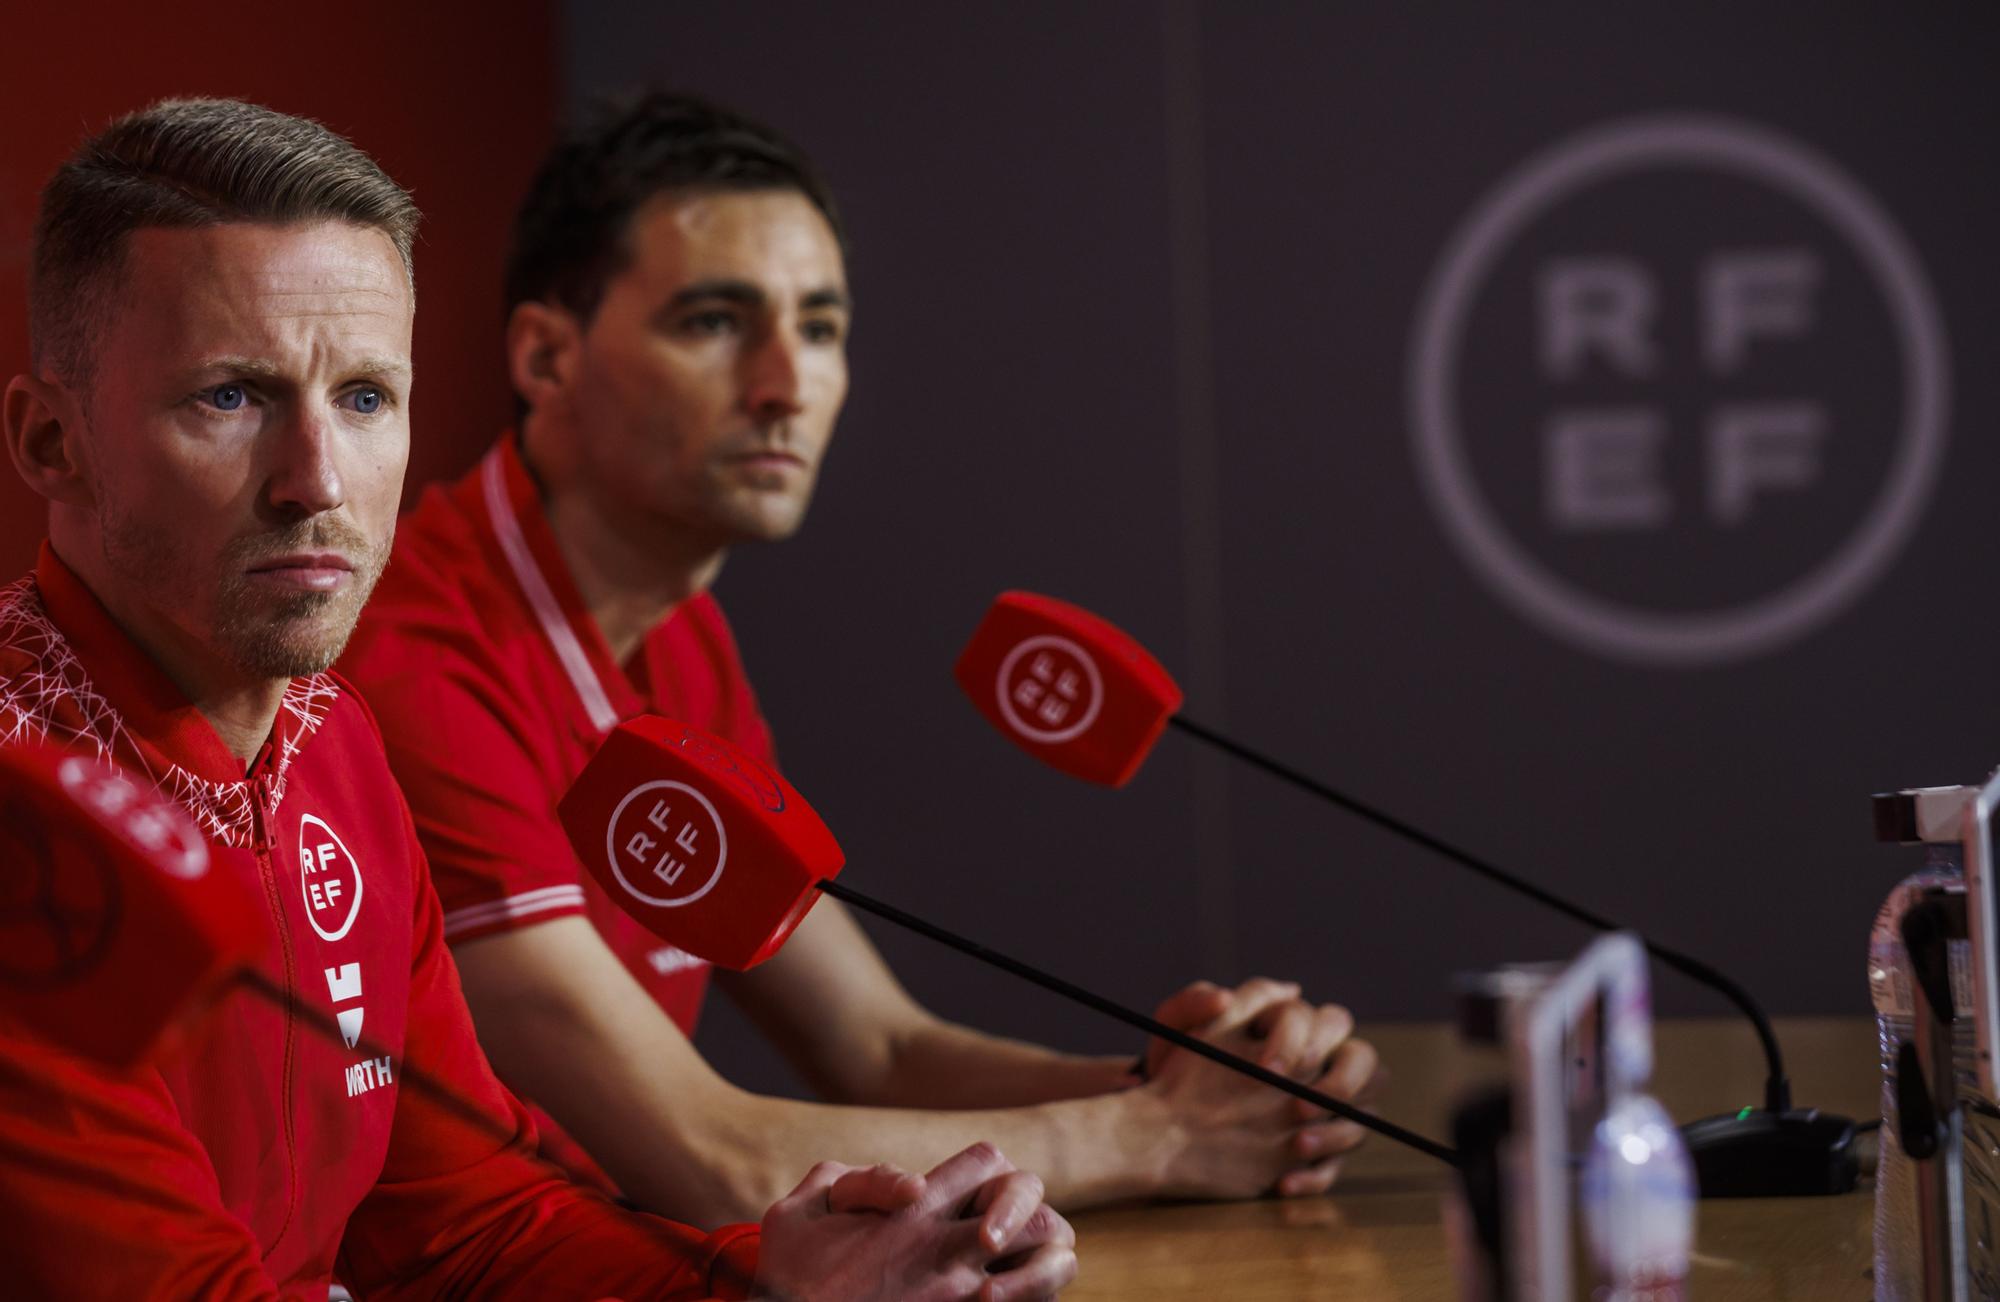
point(305, 632)
point(291, 636)
point(301, 634)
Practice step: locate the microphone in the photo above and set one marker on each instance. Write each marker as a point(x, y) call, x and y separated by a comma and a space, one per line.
point(96, 860)
point(714, 853)
point(1083, 696)
point(1074, 691)
point(121, 926)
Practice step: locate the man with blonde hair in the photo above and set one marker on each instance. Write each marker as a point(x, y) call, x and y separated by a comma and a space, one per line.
point(217, 415)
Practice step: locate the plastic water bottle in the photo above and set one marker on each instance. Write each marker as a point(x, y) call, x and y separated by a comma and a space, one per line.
point(1637, 1195)
point(1899, 1246)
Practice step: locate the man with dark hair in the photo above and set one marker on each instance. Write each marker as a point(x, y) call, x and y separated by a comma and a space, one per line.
point(679, 316)
point(222, 307)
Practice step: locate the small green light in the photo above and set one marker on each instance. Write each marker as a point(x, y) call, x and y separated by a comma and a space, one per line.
point(1744, 1114)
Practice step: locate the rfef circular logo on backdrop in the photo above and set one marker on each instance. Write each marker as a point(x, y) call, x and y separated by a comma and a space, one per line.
point(1678, 390)
point(1049, 689)
point(666, 844)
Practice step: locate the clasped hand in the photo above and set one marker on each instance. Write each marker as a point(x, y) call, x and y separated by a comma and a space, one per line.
point(1237, 1137)
point(971, 1227)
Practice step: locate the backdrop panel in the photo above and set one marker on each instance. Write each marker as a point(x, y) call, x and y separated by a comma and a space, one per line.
point(1566, 429)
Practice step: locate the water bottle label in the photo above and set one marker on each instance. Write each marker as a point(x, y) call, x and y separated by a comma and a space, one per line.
point(1893, 977)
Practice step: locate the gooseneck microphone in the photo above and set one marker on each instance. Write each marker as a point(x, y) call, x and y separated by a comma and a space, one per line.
point(1777, 1086)
point(1084, 697)
point(123, 926)
point(718, 855)
point(1152, 1026)
point(119, 929)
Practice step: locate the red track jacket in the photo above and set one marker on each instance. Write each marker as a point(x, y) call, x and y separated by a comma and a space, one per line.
point(275, 1149)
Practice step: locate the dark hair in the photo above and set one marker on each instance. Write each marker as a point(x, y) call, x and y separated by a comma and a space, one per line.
point(180, 164)
point(570, 234)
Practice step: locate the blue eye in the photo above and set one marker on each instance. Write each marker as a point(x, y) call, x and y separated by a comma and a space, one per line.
point(226, 397)
point(368, 401)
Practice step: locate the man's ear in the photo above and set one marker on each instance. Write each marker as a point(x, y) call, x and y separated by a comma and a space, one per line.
point(43, 425)
point(543, 341)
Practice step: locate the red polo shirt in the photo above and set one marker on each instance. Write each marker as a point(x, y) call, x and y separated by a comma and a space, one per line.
point(494, 687)
point(241, 1167)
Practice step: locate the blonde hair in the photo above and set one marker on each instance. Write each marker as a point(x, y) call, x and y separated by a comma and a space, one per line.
point(185, 163)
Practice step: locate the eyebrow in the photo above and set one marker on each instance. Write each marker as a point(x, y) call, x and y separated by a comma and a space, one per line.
point(252, 366)
point(262, 369)
point(745, 294)
point(388, 368)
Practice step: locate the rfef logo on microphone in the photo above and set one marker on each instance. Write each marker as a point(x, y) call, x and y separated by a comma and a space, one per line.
point(329, 879)
point(1049, 689)
point(1067, 686)
point(145, 818)
point(1678, 390)
point(666, 844)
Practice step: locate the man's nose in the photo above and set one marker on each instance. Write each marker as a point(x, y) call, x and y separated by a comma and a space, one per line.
point(771, 375)
point(305, 477)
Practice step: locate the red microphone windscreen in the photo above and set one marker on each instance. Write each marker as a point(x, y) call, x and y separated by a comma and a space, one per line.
point(116, 926)
point(709, 849)
point(1069, 688)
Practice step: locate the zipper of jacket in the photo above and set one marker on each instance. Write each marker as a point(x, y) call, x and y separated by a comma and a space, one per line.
point(261, 812)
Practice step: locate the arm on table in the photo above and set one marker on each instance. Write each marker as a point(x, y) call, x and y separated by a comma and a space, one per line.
point(568, 1026)
point(463, 1208)
point(973, 1226)
point(843, 1020)
point(830, 1003)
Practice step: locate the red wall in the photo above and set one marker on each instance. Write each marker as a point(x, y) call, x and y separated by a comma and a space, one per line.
point(455, 100)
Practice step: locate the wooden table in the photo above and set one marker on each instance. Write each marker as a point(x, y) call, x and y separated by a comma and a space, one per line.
point(1379, 1235)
